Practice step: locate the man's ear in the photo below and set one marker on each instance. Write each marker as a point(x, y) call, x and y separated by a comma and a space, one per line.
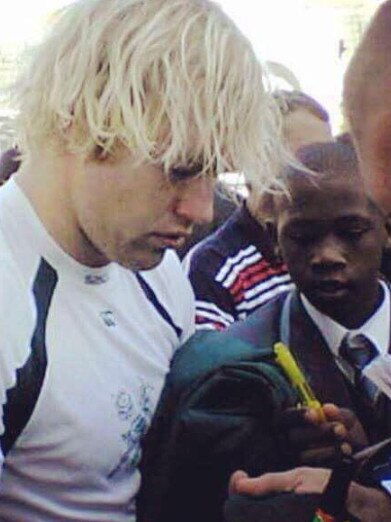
point(385, 268)
point(387, 224)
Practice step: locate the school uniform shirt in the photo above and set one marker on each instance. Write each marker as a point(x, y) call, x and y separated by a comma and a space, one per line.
point(83, 358)
point(376, 328)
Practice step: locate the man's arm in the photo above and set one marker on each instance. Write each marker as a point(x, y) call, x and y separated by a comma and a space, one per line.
point(215, 307)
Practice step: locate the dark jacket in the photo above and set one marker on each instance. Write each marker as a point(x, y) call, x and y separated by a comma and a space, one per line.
point(218, 411)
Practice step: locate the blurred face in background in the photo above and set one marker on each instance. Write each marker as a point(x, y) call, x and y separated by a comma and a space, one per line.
point(302, 127)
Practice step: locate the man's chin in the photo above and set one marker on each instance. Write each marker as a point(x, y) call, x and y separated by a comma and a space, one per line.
point(141, 262)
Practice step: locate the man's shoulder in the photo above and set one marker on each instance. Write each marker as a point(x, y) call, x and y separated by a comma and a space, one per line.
point(17, 319)
point(16, 296)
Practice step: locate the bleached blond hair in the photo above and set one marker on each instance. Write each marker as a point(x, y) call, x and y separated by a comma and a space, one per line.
point(173, 81)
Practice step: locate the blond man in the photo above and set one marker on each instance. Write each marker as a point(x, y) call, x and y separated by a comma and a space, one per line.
point(126, 113)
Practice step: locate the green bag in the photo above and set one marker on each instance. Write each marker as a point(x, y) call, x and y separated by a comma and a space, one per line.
point(216, 415)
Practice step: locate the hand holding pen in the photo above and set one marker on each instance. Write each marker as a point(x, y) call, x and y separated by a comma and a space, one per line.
point(314, 433)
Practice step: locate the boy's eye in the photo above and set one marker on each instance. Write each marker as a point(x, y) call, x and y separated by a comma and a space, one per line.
point(302, 235)
point(354, 229)
point(354, 232)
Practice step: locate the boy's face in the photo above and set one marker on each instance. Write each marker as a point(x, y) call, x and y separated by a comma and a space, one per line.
point(332, 239)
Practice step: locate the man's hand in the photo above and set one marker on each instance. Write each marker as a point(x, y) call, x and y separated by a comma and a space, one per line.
point(316, 439)
point(297, 480)
point(367, 504)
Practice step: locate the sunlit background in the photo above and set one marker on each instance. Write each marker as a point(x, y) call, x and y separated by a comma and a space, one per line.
point(307, 43)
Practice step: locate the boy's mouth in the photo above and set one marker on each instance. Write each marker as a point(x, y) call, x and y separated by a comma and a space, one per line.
point(331, 288)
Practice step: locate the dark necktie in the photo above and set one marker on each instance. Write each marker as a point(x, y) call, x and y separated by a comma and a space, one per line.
point(358, 351)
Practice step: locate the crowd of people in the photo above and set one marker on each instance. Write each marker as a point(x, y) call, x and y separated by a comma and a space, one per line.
point(136, 387)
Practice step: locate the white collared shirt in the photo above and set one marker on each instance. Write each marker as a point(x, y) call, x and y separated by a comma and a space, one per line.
point(376, 328)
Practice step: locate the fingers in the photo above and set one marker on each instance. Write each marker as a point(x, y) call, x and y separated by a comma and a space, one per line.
point(323, 454)
point(236, 478)
point(265, 484)
point(314, 441)
point(299, 480)
point(347, 425)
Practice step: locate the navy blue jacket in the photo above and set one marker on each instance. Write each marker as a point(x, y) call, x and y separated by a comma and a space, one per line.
point(219, 407)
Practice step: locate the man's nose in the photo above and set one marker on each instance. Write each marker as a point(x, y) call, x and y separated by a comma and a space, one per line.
point(328, 254)
point(194, 203)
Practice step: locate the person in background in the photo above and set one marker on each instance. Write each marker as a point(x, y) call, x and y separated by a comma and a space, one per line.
point(236, 270)
point(125, 116)
point(305, 120)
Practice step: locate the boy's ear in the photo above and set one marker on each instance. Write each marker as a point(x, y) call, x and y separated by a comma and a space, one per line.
point(271, 229)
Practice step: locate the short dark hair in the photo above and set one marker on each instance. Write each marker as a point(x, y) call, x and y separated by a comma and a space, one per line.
point(290, 101)
point(334, 157)
point(329, 157)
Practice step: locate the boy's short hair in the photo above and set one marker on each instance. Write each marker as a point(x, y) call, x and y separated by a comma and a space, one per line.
point(173, 81)
point(334, 157)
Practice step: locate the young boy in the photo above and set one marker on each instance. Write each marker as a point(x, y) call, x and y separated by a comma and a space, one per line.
point(330, 234)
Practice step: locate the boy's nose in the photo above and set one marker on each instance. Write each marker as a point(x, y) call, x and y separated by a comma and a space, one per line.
point(327, 255)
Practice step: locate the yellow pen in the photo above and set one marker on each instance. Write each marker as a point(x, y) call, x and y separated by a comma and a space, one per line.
point(292, 371)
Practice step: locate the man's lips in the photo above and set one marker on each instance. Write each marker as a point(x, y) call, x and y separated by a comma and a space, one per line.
point(170, 239)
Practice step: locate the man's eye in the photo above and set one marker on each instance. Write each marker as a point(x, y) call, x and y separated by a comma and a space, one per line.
point(183, 173)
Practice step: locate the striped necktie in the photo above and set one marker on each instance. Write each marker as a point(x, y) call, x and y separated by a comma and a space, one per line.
point(358, 351)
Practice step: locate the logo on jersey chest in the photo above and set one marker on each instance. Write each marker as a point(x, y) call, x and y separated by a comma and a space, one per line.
point(108, 318)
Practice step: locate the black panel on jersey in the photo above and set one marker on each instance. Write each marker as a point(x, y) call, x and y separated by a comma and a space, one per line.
point(151, 296)
point(21, 399)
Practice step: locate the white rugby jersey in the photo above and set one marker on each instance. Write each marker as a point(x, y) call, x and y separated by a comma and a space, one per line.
point(83, 358)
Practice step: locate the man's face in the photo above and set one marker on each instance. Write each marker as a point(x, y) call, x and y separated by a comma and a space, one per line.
point(332, 240)
point(132, 214)
point(373, 141)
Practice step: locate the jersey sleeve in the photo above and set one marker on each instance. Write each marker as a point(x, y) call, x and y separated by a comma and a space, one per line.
point(17, 319)
point(215, 307)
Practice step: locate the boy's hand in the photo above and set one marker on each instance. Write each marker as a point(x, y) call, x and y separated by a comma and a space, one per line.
point(314, 440)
